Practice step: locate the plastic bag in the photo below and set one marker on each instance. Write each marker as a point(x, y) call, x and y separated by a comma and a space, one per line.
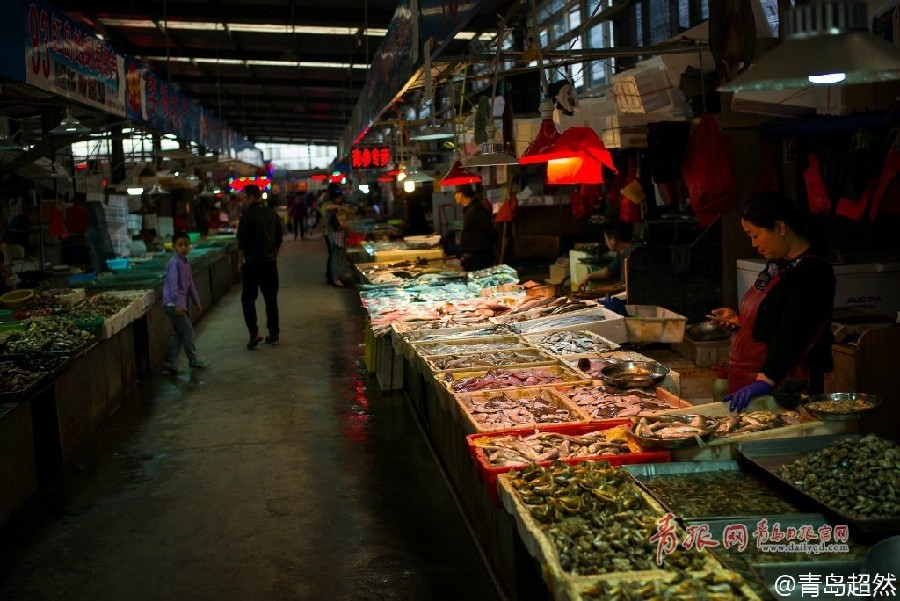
point(707, 172)
point(816, 192)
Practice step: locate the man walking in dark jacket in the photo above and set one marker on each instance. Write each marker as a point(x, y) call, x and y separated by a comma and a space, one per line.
point(259, 237)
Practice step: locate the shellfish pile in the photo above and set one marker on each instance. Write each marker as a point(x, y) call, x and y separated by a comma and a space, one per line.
point(504, 451)
point(49, 334)
point(508, 411)
point(606, 403)
point(596, 517)
point(859, 477)
point(484, 347)
point(716, 585)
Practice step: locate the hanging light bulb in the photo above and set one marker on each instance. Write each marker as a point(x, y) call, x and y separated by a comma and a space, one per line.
point(459, 175)
point(409, 186)
point(415, 175)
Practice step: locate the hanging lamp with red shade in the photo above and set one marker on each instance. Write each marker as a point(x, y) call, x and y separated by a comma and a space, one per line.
point(459, 175)
point(548, 133)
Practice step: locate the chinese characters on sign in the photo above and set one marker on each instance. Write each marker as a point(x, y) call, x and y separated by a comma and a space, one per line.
point(366, 158)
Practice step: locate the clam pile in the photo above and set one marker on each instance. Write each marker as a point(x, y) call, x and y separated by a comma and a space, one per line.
point(484, 347)
point(859, 477)
point(717, 585)
point(50, 334)
point(596, 517)
point(14, 378)
point(545, 446)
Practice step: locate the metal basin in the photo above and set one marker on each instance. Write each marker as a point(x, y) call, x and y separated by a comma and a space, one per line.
point(634, 374)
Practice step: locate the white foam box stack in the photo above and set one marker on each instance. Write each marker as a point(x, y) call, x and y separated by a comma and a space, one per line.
point(644, 89)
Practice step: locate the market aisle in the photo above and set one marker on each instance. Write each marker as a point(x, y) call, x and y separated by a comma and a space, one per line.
point(278, 474)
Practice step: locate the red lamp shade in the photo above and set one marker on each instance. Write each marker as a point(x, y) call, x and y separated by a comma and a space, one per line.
point(546, 138)
point(318, 177)
point(578, 142)
point(459, 175)
point(387, 177)
point(575, 170)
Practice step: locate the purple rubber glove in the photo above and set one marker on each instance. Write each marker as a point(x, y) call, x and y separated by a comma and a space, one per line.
point(741, 397)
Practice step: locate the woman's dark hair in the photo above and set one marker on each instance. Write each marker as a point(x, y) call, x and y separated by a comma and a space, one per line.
point(765, 208)
point(619, 230)
point(178, 236)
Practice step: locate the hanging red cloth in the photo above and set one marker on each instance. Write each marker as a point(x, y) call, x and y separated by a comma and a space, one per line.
point(631, 195)
point(886, 198)
point(707, 172)
point(856, 209)
point(57, 226)
point(582, 200)
point(816, 193)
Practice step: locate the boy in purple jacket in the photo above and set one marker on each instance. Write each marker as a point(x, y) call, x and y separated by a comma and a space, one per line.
point(178, 289)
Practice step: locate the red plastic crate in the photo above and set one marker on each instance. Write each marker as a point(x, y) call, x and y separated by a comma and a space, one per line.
point(488, 473)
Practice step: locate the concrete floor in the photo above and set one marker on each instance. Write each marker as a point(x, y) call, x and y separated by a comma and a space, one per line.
point(279, 473)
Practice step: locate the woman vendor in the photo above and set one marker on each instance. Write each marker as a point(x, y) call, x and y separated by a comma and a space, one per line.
point(782, 332)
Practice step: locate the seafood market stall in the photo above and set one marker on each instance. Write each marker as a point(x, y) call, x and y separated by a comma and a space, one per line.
point(71, 355)
point(580, 464)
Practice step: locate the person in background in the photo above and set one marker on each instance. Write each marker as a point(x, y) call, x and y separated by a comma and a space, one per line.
point(298, 210)
point(179, 223)
point(335, 236)
point(178, 291)
point(74, 250)
point(782, 331)
point(619, 239)
point(259, 237)
point(478, 235)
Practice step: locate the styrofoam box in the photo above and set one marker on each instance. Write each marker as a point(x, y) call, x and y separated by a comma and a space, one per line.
point(608, 324)
point(649, 323)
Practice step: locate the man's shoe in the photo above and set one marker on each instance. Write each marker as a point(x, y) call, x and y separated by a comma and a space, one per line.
point(169, 369)
point(200, 364)
point(255, 339)
point(273, 340)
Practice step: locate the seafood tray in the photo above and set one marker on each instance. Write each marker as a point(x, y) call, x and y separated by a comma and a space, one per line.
point(598, 400)
point(769, 456)
point(44, 371)
point(488, 472)
point(467, 403)
point(546, 375)
point(536, 535)
point(571, 342)
point(725, 447)
point(709, 584)
point(599, 320)
point(414, 331)
point(466, 345)
point(713, 492)
point(747, 562)
point(512, 358)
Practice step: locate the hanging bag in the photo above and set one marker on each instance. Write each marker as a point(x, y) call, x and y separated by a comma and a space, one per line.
point(707, 172)
point(816, 193)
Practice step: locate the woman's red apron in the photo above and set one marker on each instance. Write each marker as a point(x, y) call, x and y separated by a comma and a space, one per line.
point(747, 355)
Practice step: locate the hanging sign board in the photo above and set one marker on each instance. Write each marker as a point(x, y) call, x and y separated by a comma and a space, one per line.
point(66, 58)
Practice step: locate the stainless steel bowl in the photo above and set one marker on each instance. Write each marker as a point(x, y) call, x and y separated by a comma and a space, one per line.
point(634, 374)
point(829, 407)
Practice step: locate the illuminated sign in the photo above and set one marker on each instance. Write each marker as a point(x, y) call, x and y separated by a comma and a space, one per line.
point(237, 184)
point(370, 158)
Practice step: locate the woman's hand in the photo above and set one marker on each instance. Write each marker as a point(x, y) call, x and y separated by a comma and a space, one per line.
point(725, 318)
point(583, 282)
